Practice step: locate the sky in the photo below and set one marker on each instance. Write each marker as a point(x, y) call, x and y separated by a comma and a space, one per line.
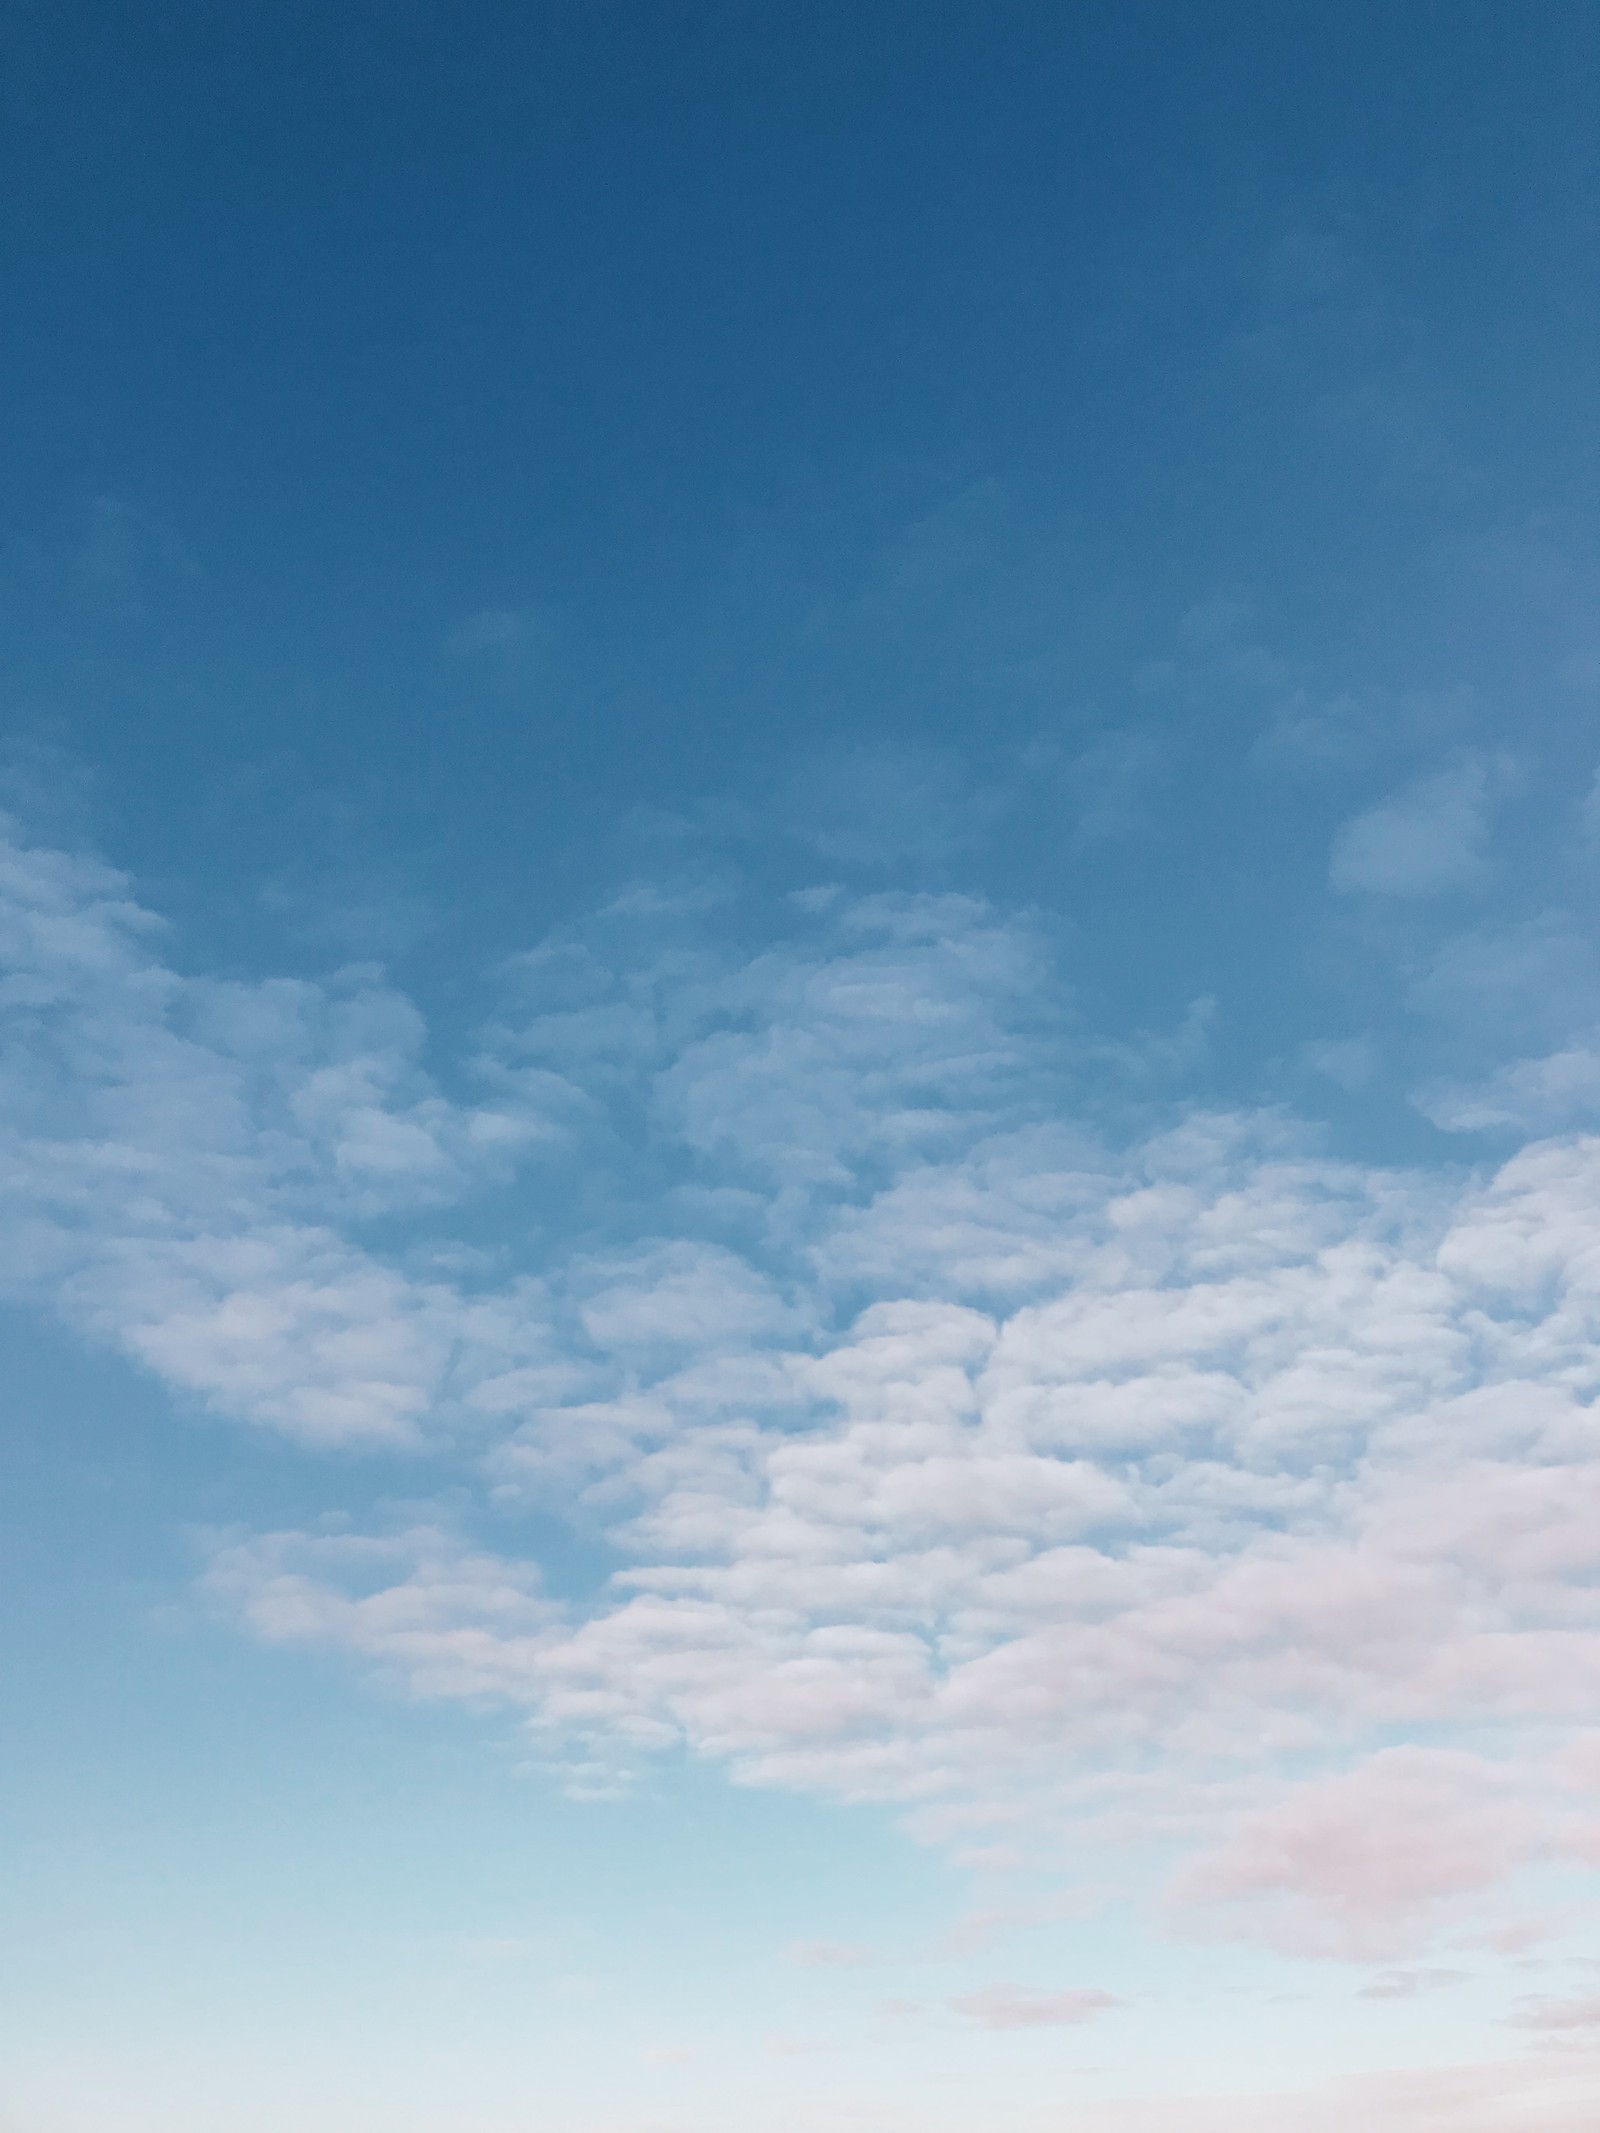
point(799, 1067)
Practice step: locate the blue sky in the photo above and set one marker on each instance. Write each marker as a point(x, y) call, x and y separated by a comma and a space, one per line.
point(801, 1015)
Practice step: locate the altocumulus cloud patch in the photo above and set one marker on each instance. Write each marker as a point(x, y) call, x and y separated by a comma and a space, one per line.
point(1173, 1497)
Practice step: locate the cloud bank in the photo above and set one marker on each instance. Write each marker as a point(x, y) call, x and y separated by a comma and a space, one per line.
point(964, 1423)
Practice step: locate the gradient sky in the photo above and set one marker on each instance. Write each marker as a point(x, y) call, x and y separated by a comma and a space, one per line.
point(800, 1100)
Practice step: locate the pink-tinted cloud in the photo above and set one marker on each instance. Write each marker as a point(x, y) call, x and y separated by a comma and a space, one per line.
point(1409, 1984)
point(1541, 2095)
point(1351, 1865)
point(1560, 2015)
point(1012, 2007)
point(829, 1955)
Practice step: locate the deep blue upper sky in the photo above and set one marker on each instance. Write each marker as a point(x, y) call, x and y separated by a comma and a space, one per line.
point(432, 431)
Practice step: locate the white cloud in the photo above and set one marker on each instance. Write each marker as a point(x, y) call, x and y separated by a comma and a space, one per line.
point(181, 1159)
point(1519, 1003)
point(1425, 839)
point(1541, 1095)
point(1290, 1459)
point(1202, 1496)
point(1537, 977)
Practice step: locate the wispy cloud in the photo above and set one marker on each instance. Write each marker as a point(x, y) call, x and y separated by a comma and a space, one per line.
point(1428, 838)
point(829, 1955)
point(1010, 2007)
point(1409, 1984)
point(1561, 2015)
